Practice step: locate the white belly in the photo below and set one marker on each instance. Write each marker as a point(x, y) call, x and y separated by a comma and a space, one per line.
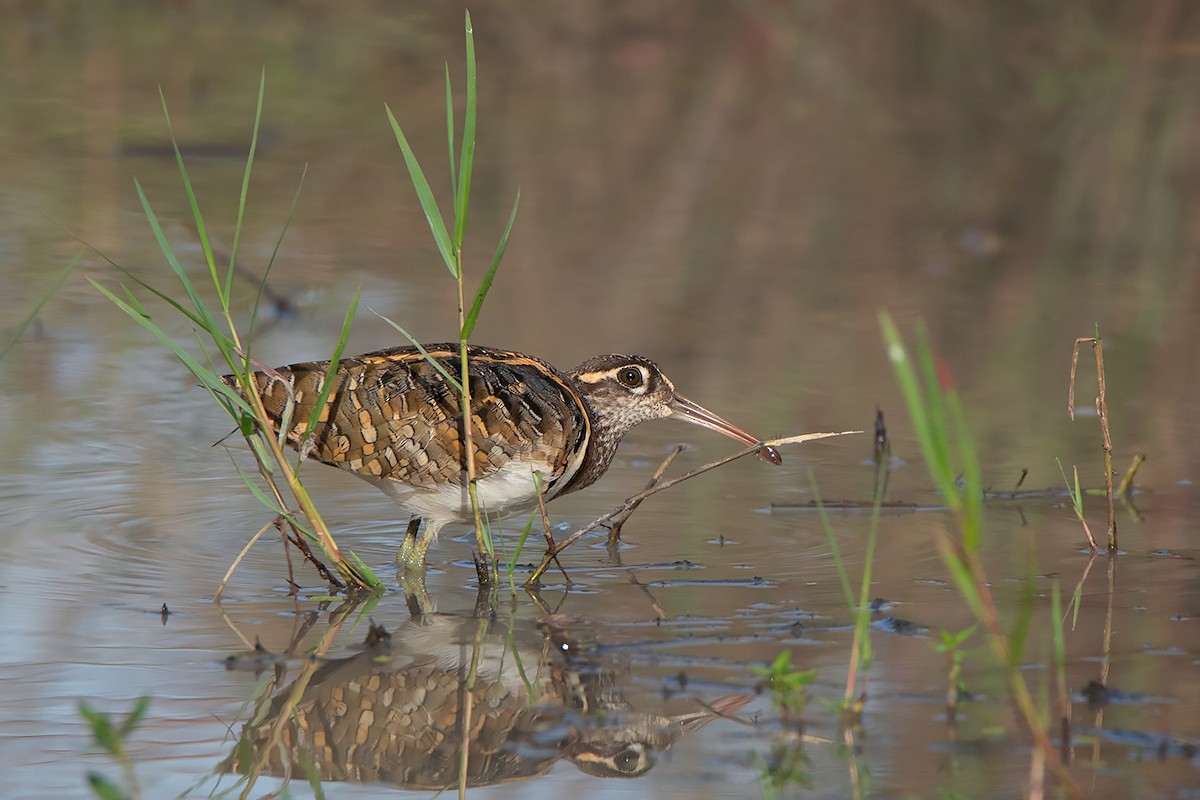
point(508, 490)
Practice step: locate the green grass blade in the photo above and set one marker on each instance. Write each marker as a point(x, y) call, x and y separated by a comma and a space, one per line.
point(906, 376)
point(103, 788)
point(102, 728)
point(1060, 644)
point(135, 716)
point(262, 454)
point(206, 376)
point(972, 494)
point(241, 212)
point(25, 323)
point(313, 773)
point(224, 343)
point(327, 383)
point(421, 349)
point(428, 204)
point(268, 502)
point(450, 132)
point(205, 318)
point(834, 550)
point(193, 204)
point(466, 163)
point(1077, 497)
point(938, 447)
point(486, 284)
point(1019, 636)
point(287, 223)
point(965, 582)
point(512, 563)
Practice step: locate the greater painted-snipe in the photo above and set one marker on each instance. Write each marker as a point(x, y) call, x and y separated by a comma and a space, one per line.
point(393, 419)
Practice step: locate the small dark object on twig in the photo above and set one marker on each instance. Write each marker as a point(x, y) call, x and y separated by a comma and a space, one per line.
point(883, 448)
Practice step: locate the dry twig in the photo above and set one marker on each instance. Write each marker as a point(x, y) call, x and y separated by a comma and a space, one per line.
point(632, 502)
point(1102, 411)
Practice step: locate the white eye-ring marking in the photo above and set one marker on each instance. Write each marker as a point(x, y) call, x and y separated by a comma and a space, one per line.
point(634, 377)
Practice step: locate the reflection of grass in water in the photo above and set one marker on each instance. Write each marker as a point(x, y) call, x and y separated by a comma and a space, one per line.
point(37, 307)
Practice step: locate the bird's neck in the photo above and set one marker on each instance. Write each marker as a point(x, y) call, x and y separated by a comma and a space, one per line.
point(606, 435)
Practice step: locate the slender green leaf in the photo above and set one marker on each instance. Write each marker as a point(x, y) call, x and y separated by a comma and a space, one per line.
point(103, 788)
point(1020, 632)
point(428, 204)
point(313, 773)
point(261, 453)
point(32, 315)
point(241, 212)
point(1077, 497)
point(268, 501)
point(193, 204)
point(512, 563)
point(224, 344)
point(937, 448)
point(421, 348)
point(962, 579)
point(135, 716)
point(838, 562)
point(972, 495)
point(262, 285)
point(907, 378)
point(486, 284)
point(450, 132)
point(1060, 645)
point(466, 165)
point(362, 572)
point(203, 373)
point(206, 318)
point(207, 377)
point(285, 422)
point(327, 381)
point(103, 730)
point(863, 620)
point(964, 634)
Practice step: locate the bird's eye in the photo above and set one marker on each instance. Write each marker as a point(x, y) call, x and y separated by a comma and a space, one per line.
point(630, 377)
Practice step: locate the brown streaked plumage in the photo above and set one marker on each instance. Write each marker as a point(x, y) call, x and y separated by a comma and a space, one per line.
point(393, 419)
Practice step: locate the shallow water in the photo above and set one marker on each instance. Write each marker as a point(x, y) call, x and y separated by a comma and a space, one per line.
point(735, 194)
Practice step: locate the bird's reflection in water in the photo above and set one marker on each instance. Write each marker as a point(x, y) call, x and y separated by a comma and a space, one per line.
point(395, 713)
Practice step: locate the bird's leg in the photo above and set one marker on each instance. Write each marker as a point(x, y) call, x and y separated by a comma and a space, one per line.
point(415, 546)
point(411, 555)
point(411, 560)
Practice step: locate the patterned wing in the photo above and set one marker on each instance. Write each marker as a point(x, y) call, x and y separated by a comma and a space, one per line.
point(392, 415)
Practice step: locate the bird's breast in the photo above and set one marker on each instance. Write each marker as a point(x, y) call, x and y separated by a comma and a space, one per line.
point(509, 489)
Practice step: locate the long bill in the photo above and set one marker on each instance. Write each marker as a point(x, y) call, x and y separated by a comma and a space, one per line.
point(699, 415)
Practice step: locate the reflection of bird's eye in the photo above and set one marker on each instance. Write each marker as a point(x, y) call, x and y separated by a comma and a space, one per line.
point(627, 760)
